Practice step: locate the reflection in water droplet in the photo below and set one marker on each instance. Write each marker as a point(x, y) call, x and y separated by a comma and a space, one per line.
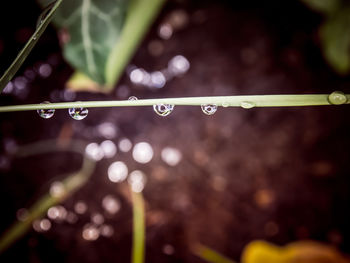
point(78, 113)
point(46, 113)
point(209, 109)
point(137, 181)
point(142, 152)
point(163, 109)
point(337, 98)
point(247, 104)
point(117, 172)
point(132, 98)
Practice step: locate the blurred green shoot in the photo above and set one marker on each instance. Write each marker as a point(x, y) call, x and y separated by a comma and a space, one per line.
point(43, 21)
point(138, 246)
point(71, 183)
point(209, 254)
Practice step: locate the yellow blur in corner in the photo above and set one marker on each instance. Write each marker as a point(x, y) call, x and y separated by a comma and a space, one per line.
point(297, 252)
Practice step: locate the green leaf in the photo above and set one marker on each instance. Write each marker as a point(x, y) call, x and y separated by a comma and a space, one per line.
point(323, 6)
point(335, 37)
point(94, 28)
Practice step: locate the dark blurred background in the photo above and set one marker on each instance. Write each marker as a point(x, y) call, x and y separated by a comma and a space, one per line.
point(277, 174)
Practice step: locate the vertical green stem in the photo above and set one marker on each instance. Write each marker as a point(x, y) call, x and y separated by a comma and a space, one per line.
point(138, 246)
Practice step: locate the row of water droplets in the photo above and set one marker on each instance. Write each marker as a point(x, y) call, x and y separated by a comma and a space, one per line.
point(75, 113)
point(161, 109)
point(335, 98)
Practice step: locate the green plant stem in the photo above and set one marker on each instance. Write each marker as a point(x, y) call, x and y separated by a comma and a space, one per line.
point(71, 183)
point(141, 14)
point(43, 22)
point(138, 243)
point(230, 101)
point(209, 254)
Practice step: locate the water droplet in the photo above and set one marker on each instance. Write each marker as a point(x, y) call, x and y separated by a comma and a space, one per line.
point(209, 109)
point(78, 113)
point(337, 98)
point(163, 109)
point(247, 104)
point(34, 37)
point(46, 113)
point(132, 98)
point(225, 104)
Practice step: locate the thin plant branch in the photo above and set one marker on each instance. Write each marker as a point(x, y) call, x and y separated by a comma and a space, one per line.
point(43, 21)
point(248, 101)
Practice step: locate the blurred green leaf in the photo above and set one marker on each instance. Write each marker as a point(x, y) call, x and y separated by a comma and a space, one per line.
point(90, 29)
point(323, 6)
point(335, 37)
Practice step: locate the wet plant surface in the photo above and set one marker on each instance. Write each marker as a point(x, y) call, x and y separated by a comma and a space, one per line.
point(278, 174)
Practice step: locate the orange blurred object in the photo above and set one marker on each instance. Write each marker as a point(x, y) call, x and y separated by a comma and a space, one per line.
point(297, 252)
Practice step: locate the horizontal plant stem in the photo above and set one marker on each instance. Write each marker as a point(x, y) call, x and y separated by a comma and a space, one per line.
point(226, 101)
point(22, 55)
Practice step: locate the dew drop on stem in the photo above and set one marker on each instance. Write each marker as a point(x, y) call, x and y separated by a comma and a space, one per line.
point(78, 113)
point(337, 98)
point(132, 98)
point(247, 104)
point(209, 109)
point(46, 113)
point(163, 109)
point(225, 104)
